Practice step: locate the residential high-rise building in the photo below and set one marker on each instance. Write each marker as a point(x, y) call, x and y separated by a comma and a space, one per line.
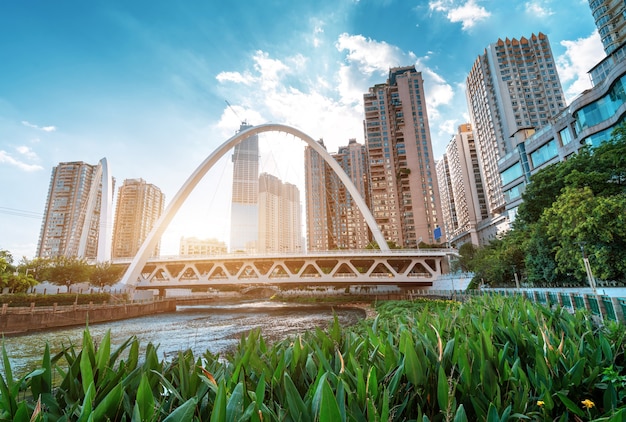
point(190, 246)
point(333, 218)
point(512, 89)
point(77, 211)
point(405, 196)
point(462, 194)
point(318, 227)
point(244, 214)
point(139, 206)
point(610, 18)
point(279, 216)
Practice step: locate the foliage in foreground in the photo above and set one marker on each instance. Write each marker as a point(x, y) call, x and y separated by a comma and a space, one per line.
point(492, 358)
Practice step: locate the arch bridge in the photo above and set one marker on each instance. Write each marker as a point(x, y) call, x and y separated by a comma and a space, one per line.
point(341, 267)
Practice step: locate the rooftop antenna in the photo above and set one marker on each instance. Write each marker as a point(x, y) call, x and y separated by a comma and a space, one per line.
point(243, 122)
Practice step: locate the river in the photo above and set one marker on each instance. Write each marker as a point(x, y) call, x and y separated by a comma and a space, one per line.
point(216, 328)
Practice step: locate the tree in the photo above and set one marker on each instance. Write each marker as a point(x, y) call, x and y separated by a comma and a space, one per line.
point(599, 222)
point(67, 271)
point(6, 262)
point(105, 274)
point(467, 252)
point(17, 282)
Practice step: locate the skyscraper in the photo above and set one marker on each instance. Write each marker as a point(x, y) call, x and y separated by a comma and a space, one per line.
point(333, 219)
point(279, 216)
point(77, 209)
point(512, 89)
point(318, 227)
point(405, 197)
point(462, 194)
point(610, 19)
point(245, 197)
point(139, 206)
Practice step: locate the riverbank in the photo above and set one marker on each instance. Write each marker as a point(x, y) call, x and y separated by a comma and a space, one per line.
point(17, 321)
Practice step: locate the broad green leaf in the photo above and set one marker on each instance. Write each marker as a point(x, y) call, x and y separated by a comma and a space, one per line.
point(571, 406)
point(145, 399)
point(492, 414)
point(87, 408)
point(234, 407)
point(297, 408)
point(109, 406)
point(329, 409)
point(184, 412)
point(104, 350)
point(413, 368)
point(218, 413)
point(460, 415)
point(442, 389)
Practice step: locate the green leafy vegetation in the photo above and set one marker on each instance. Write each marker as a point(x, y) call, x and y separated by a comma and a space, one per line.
point(580, 201)
point(61, 271)
point(490, 358)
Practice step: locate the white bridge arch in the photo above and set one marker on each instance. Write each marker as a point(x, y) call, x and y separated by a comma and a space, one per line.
point(132, 274)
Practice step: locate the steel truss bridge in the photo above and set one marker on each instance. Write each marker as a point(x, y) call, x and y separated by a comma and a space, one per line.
point(367, 267)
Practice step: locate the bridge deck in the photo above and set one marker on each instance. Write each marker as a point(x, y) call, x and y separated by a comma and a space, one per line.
point(402, 266)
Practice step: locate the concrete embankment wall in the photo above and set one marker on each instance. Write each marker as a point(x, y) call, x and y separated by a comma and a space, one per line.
point(22, 320)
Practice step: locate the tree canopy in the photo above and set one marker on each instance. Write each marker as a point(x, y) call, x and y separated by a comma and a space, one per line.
point(580, 201)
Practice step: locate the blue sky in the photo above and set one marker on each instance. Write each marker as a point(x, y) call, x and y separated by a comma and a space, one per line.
point(145, 84)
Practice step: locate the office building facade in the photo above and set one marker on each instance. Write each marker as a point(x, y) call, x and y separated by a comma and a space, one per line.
point(587, 121)
point(139, 206)
point(404, 193)
point(245, 195)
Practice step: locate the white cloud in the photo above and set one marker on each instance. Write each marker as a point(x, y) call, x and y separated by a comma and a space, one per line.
point(42, 128)
point(468, 13)
point(6, 158)
point(27, 152)
point(538, 8)
point(236, 77)
point(325, 101)
point(372, 56)
point(580, 56)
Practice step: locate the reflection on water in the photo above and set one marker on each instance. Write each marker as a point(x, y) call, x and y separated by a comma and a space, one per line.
point(216, 328)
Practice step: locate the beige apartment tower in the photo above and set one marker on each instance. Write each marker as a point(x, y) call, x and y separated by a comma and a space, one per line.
point(139, 206)
point(404, 191)
point(192, 246)
point(279, 216)
point(513, 88)
point(76, 212)
point(333, 218)
point(462, 194)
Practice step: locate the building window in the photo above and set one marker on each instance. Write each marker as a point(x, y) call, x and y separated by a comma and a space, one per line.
point(544, 154)
point(566, 136)
point(511, 173)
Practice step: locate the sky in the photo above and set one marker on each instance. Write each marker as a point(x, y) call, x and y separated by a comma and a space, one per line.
point(156, 86)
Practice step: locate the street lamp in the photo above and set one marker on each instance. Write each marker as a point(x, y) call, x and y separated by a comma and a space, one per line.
point(592, 281)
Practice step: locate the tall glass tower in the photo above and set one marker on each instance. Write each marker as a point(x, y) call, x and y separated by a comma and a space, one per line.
point(244, 211)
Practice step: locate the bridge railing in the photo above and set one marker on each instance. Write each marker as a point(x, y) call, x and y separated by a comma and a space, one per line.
point(338, 252)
